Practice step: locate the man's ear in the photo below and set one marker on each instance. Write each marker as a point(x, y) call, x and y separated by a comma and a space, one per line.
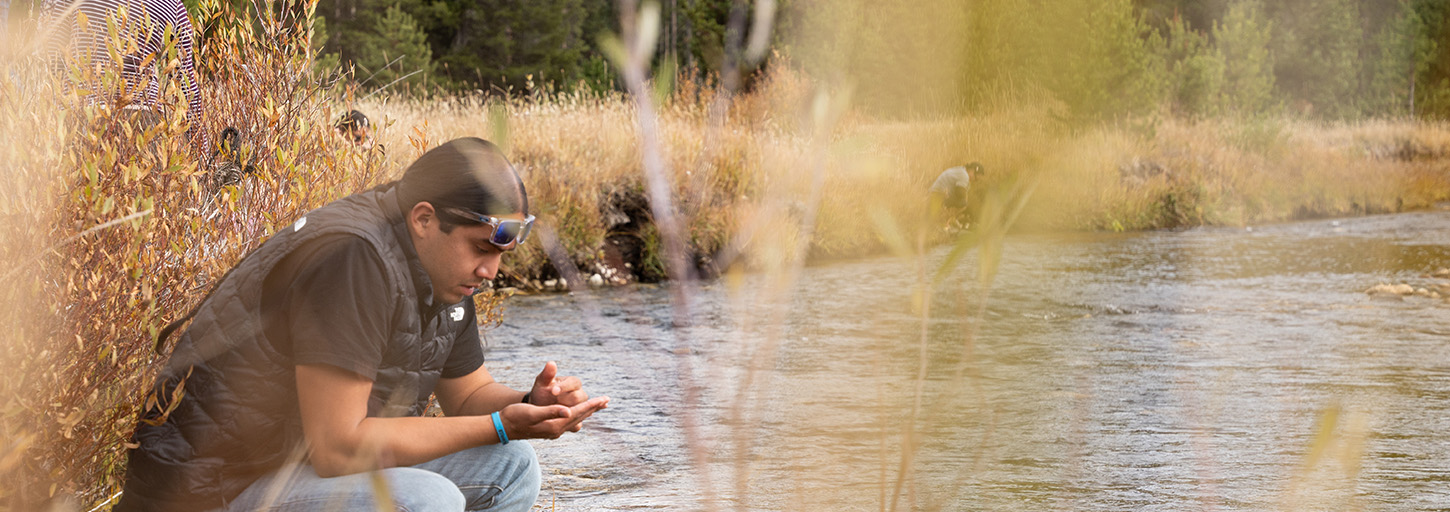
point(421, 217)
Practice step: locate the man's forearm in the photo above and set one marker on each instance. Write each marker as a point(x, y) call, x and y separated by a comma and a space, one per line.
point(344, 440)
point(487, 399)
point(390, 442)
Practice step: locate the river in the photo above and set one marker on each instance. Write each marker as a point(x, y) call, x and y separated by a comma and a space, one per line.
point(1204, 369)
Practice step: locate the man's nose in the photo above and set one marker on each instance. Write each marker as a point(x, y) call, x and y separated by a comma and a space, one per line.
point(488, 268)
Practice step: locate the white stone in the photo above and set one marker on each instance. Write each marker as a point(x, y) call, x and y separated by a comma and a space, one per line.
point(596, 280)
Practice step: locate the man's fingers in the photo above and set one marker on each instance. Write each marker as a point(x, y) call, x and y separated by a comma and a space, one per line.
point(590, 406)
point(555, 420)
point(548, 413)
point(579, 412)
point(572, 398)
point(585, 410)
point(568, 384)
point(546, 377)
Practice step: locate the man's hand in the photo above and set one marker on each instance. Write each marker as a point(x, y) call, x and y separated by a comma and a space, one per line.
point(550, 389)
point(522, 421)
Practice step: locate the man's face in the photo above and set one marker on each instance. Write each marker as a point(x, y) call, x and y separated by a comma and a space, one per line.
point(457, 262)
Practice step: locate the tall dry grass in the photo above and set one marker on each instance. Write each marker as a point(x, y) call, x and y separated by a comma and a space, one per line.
point(111, 228)
point(1241, 172)
point(742, 183)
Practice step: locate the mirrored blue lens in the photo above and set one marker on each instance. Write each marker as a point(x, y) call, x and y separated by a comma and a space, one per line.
point(507, 232)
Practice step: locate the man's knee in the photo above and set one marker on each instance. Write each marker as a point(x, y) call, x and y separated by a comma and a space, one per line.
point(523, 466)
point(495, 477)
point(418, 490)
point(518, 473)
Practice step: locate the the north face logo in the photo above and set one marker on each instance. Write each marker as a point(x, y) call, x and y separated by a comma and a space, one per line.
point(297, 226)
point(456, 314)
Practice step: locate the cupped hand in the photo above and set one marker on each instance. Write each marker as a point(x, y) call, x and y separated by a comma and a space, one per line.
point(550, 389)
point(524, 421)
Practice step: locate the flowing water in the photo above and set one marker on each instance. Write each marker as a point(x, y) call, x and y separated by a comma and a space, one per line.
point(1207, 369)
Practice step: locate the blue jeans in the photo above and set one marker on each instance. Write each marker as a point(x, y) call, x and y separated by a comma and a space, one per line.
point(492, 478)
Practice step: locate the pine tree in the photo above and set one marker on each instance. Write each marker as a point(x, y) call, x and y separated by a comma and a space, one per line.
point(368, 35)
point(707, 35)
point(708, 23)
point(902, 57)
point(395, 51)
point(1399, 42)
point(1318, 65)
point(1004, 51)
point(1108, 63)
point(1432, 86)
point(1196, 71)
point(511, 45)
point(1243, 39)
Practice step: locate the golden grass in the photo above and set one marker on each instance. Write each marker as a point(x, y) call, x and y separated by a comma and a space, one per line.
point(1242, 172)
point(745, 179)
point(83, 297)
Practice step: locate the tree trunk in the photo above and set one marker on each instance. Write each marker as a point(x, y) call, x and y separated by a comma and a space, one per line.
point(1412, 93)
point(464, 36)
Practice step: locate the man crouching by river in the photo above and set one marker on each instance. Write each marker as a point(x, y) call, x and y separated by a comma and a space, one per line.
point(301, 381)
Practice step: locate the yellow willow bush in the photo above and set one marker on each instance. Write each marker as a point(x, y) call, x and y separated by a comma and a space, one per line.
point(112, 228)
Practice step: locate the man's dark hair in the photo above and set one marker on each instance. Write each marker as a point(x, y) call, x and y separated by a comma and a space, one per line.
point(468, 173)
point(974, 168)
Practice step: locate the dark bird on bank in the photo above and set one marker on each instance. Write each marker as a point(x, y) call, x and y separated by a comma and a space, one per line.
point(227, 161)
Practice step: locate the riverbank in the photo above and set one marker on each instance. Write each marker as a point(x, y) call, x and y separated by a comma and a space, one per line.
point(743, 182)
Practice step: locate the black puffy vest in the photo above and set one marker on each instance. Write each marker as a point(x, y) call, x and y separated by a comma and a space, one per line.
point(238, 419)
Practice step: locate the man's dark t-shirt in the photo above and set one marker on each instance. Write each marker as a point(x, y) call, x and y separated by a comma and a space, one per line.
point(329, 303)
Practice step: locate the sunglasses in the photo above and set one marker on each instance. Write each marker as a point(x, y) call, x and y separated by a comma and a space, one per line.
point(507, 233)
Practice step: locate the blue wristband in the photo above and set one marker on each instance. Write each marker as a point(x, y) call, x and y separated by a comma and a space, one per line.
point(498, 426)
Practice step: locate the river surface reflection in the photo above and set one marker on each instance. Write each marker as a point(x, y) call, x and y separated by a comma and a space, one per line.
point(1204, 369)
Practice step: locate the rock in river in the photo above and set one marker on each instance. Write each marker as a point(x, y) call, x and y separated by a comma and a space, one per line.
point(1391, 289)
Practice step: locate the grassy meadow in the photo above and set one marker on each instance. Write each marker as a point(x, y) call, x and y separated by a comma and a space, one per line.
point(112, 228)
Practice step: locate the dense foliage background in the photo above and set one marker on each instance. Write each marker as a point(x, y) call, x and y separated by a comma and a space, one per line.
point(1328, 59)
point(1100, 59)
